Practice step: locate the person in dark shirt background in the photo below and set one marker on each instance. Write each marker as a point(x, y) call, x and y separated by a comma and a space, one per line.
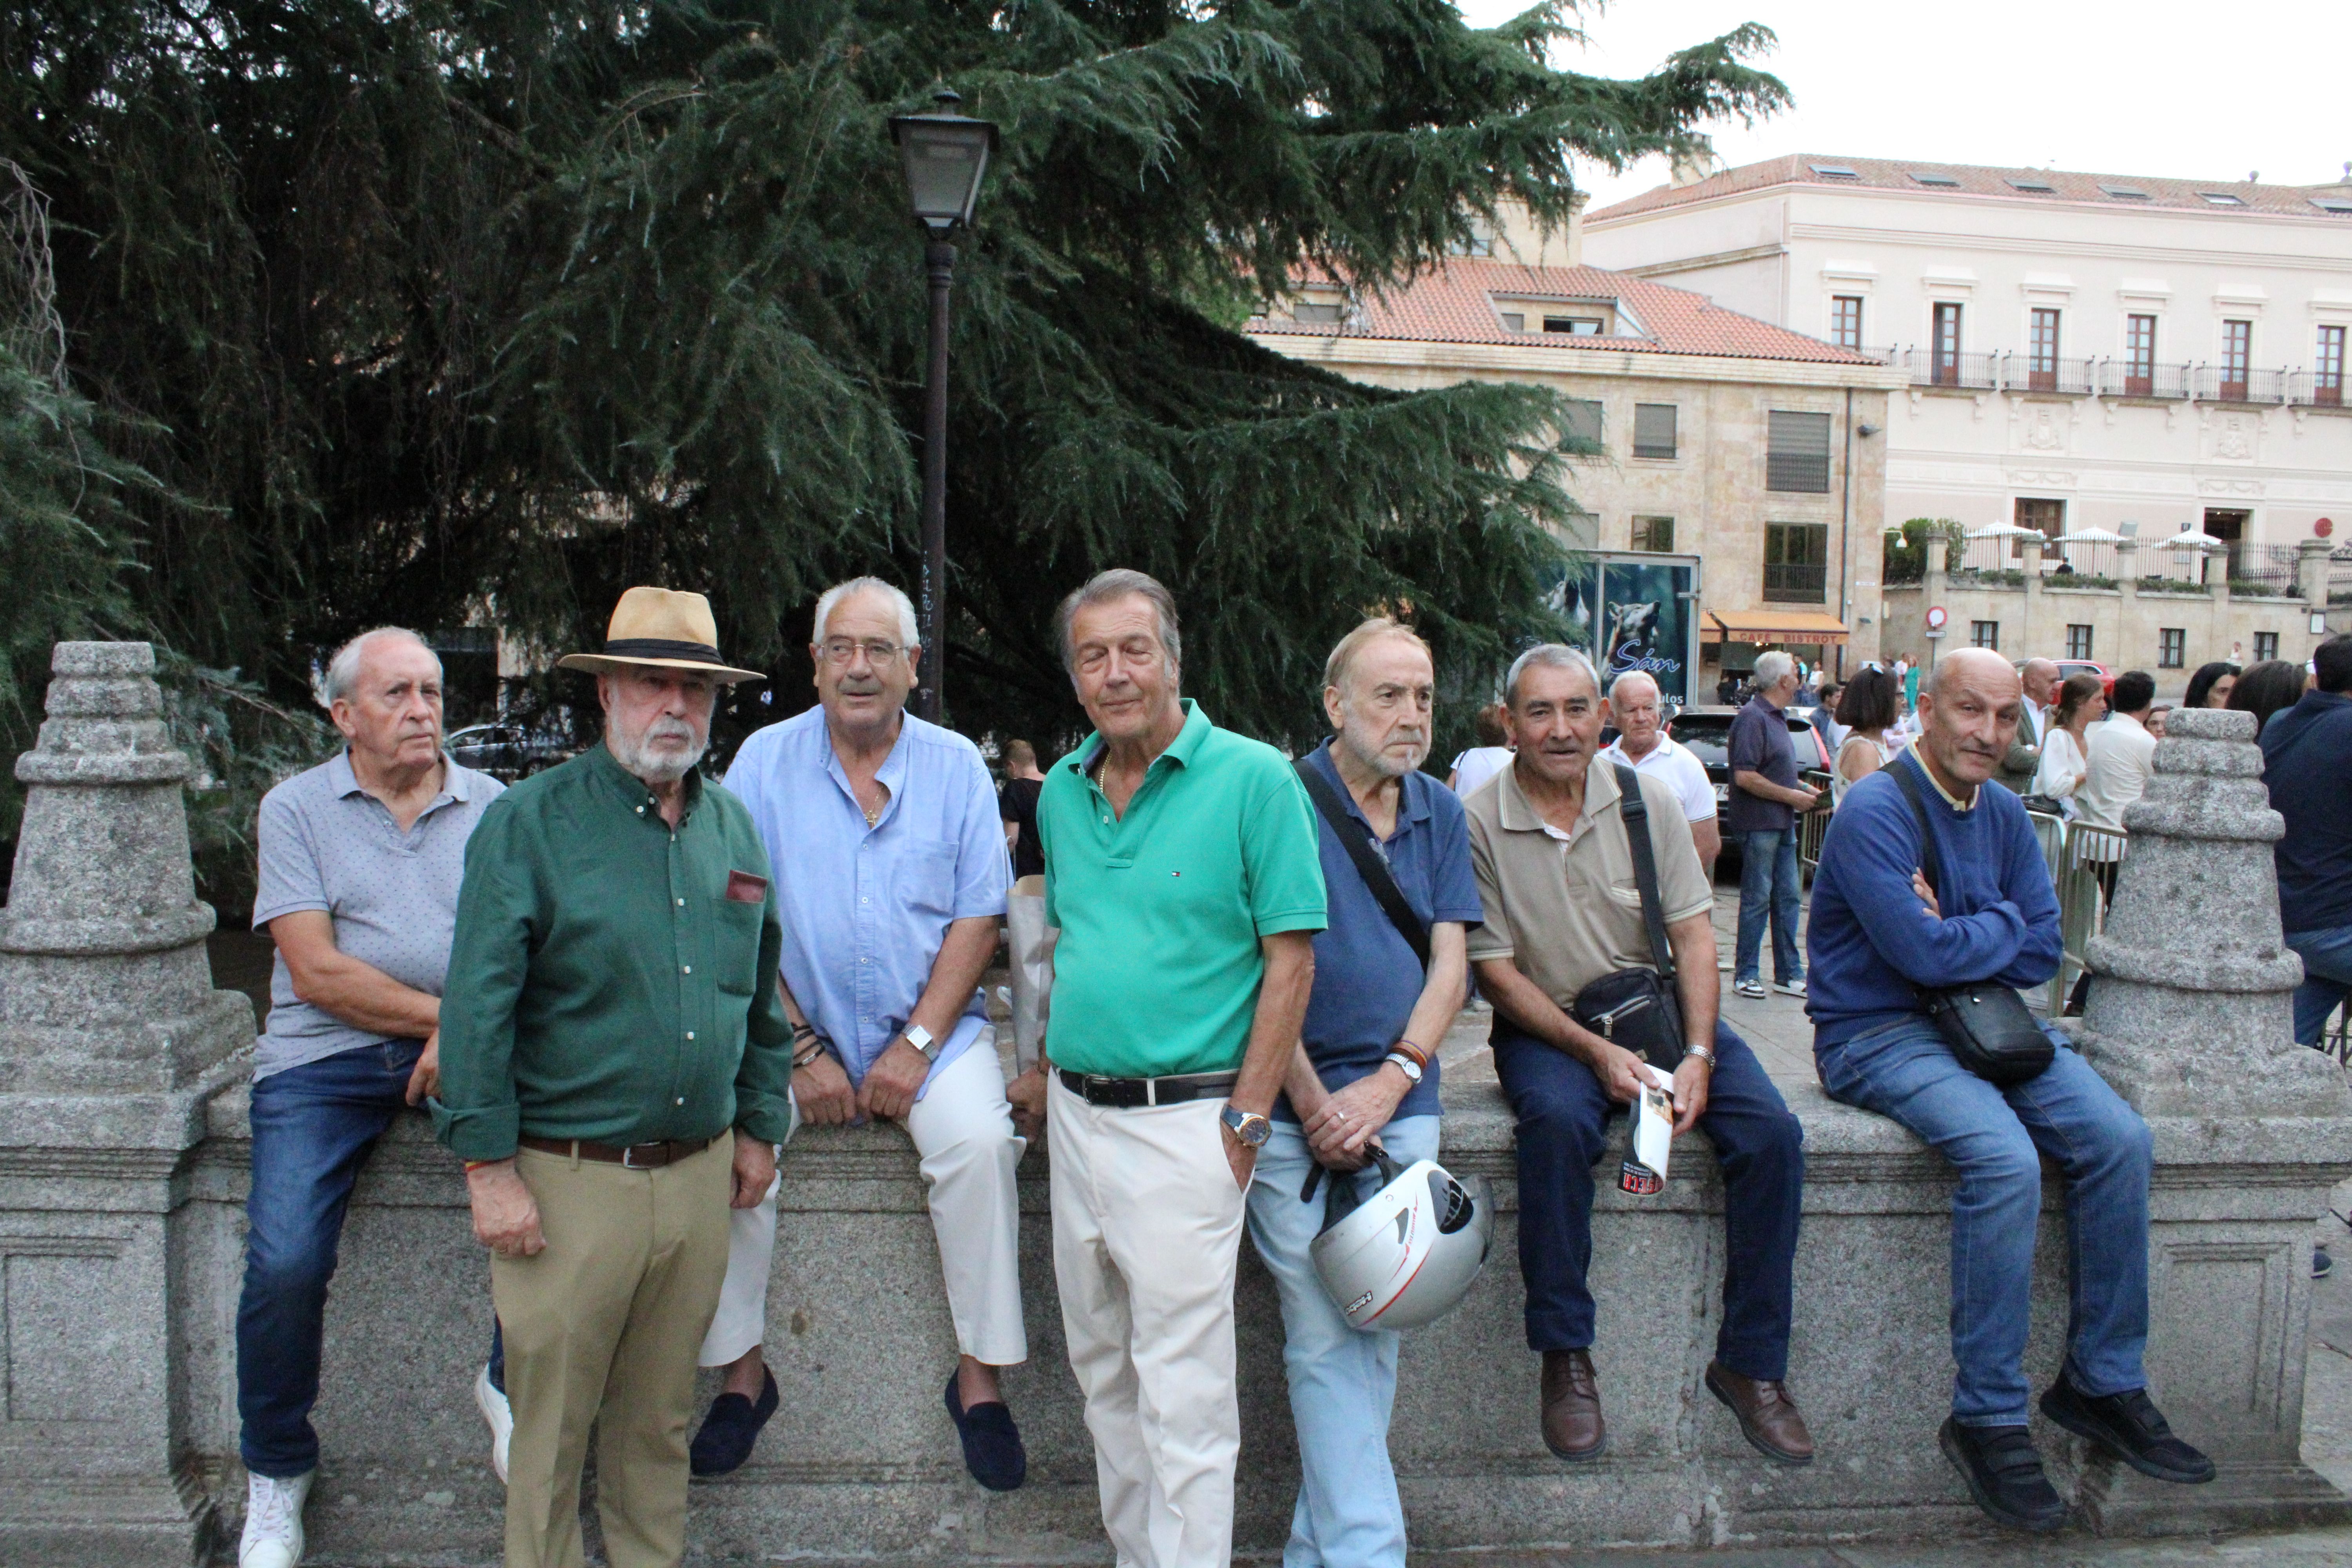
point(1017, 804)
point(2307, 763)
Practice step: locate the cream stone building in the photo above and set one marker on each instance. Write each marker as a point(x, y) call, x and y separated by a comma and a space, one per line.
point(2079, 354)
point(1756, 449)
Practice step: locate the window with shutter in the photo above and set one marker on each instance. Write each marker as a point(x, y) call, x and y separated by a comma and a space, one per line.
point(1653, 429)
point(1797, 455)
point(1583, 421)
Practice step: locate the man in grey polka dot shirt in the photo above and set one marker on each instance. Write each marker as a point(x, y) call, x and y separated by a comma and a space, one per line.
point(360, 860)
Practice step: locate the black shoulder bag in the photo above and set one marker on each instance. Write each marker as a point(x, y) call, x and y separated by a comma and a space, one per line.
point(1987, 1025)
point(1638, 1008)
point(1356, 839)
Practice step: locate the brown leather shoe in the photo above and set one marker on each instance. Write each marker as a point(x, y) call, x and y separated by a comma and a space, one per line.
point(1571, 1406)
point(1767, 1416)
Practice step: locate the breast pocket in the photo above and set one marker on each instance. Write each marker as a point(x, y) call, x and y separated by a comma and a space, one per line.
point(736, 938)
point(926, 879)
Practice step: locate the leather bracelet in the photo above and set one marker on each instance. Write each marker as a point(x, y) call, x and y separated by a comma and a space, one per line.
point(816, 1049)
point(1407, 1048)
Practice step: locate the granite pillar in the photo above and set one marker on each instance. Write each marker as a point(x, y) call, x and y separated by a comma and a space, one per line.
point(2190, 1019)
point(111, 1042)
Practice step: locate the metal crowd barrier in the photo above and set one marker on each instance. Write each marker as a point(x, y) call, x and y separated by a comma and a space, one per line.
point(1813, 824)
point(2074, 852)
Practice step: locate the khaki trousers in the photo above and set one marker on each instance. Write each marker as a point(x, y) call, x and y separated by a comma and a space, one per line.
point(1147, 1236)
point(962, 1130)
point(601, 1327)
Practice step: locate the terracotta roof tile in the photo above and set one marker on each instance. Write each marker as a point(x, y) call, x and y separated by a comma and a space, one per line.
point(1455, 304)
point(1977, 180)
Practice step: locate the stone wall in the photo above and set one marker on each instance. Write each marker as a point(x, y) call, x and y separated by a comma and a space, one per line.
point(123, 1146)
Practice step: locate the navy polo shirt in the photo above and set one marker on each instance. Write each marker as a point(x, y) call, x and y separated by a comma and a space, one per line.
point(1365, 976)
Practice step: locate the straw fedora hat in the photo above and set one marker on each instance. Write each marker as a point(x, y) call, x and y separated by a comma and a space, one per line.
point(662, 629)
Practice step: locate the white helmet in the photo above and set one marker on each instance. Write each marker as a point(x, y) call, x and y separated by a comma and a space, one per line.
point(1405, 1256)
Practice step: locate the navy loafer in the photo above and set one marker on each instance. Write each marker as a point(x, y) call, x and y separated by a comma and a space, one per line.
point(730, 1430)
point(992, 1444)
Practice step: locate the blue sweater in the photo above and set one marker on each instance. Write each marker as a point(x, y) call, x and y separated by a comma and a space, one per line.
point(1871, 941)
point(2308, 757)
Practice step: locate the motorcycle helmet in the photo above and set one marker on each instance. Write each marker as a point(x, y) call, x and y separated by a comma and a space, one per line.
point(1405, 1256)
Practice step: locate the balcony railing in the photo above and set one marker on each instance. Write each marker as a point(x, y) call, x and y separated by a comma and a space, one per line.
point(2007, 369)
point(2128, 378)
point(2309, 389)
point(2216, 384)
point(1786, 584)
point(2019, 372)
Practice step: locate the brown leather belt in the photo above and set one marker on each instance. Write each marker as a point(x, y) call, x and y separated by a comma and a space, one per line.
point(636, 1156)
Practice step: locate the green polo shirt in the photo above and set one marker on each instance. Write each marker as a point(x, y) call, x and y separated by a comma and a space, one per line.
point(611, 979)
point(1158, 966)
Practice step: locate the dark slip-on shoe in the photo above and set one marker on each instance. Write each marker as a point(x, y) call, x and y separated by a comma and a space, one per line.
point(2004, 1474)
point(730, 1430)
point(991, 1443)
point(2129, 1427)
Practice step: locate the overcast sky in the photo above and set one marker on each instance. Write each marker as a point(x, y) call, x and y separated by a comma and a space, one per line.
point(2157, 88)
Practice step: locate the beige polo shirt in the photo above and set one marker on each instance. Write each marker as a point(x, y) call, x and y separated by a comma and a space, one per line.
point(1565, 908)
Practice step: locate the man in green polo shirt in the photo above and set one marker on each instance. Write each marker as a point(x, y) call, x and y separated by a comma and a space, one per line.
point(1181, 865)
point(611, 1014)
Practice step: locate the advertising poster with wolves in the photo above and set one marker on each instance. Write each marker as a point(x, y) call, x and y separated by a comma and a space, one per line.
point(1635, 613)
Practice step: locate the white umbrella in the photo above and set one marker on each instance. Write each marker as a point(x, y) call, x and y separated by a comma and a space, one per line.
point(2189, 539)
point(2005, 531)
point(2089, 536)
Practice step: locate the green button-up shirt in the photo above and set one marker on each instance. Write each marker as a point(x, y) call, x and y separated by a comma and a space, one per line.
point(611, 979)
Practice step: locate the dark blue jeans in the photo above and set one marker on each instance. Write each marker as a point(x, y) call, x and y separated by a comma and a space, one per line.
point(2326, 955)
point(1768, 887)
point(1562, 1115)
point(313, 1128)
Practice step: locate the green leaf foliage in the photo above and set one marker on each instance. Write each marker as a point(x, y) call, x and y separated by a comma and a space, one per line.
point(445, 312)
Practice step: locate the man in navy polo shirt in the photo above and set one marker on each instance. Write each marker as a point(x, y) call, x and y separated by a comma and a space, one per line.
point(1367, 1070)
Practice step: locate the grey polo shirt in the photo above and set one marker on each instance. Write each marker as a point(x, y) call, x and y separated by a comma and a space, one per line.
point(326, 843)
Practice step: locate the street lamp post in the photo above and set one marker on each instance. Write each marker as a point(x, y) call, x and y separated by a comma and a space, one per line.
point(945, 153)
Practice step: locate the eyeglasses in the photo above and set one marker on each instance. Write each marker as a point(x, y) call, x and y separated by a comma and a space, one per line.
point(840, 650)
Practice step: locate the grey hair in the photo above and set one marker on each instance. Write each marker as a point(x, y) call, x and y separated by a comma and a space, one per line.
point(1772, 667)
point(343, 668)
point(910, 633)
point(1626, 675)
point(1552, 655)
point(1118, 583)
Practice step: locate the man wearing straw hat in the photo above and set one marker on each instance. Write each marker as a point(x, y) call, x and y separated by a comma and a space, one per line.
point(611, 1016)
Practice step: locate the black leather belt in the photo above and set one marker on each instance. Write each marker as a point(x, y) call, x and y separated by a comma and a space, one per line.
point(636, 1156)
point(1132, 1093)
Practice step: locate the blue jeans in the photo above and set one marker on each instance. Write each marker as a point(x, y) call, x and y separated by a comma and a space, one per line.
point(1342, 1380)
point(1996, 1139)
point(313, 1128)
point(1769, 887)
point(1562, 1116)
point(2326, 955)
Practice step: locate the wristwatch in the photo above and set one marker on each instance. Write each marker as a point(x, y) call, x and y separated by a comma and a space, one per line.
point(922, 1039)
point(1702, 1053)
point(1405, 1065)
point(1248, 1126)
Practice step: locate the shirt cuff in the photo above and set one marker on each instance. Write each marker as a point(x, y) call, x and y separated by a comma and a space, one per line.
point(767, 1117)
point(485, 1132)
point(1292, 920)
point(1479, 951)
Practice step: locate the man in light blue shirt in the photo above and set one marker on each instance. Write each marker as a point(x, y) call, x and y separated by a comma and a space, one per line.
point(890, 875)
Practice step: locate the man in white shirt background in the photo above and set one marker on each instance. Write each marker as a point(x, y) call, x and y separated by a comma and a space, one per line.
point(1643, 744)
point(2121, 753)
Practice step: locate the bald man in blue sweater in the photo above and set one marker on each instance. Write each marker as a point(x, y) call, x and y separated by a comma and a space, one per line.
point(1879, 935)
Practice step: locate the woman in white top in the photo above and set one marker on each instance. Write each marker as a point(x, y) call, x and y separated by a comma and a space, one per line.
point(1867, 708)
point(2066, 760)
point(1490, 756)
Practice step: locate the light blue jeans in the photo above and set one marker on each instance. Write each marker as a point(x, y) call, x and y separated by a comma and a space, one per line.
point(1996, 1139)
point(2326, 955)
point(1342, 1380)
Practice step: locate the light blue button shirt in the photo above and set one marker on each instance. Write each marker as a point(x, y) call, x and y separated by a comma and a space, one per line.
point(866, 908)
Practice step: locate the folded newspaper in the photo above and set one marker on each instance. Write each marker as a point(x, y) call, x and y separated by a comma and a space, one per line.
point(1645, 1174)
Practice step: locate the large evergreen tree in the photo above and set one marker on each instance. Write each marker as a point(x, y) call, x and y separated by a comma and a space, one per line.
point(439, 310)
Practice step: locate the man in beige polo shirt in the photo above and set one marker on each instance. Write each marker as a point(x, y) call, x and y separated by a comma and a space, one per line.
point(1563, 908)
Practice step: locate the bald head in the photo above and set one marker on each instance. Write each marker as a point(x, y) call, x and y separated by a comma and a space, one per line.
point(1970, 706)
point(2039, 680)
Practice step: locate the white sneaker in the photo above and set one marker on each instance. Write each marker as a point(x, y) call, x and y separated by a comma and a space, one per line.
point(499, 1415)
point(273, 1522)
point(1789, 988)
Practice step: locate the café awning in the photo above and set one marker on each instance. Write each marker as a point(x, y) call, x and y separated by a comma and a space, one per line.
point(1772, 626)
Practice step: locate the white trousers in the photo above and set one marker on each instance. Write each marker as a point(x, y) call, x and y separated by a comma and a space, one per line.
point(962, 1130)
point(1147, 1235)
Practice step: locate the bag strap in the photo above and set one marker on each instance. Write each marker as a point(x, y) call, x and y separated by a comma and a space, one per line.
point(1910, 786)
point(1356, 839)
point(1635, 811)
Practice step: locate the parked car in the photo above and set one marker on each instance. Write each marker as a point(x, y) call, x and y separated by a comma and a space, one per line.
point(2069, 667)
point(1707, 731)
point(509, 752)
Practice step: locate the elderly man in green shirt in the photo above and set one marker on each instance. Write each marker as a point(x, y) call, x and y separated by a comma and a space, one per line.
point(1181, 865)
point(611, 1015)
